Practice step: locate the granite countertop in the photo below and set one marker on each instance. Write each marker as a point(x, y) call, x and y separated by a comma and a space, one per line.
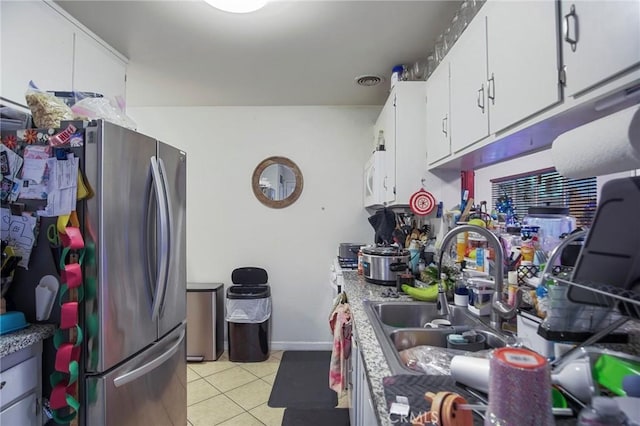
point(376, 366)
point(13, 342)
point(374, 361)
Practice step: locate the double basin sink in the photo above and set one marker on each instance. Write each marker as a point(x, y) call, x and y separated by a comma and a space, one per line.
point(403, 325)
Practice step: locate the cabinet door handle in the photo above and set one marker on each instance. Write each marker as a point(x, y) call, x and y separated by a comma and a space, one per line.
point(491, 89)
point(571, 16)
point(2, 383)
point(444, 125)
point(481, 98)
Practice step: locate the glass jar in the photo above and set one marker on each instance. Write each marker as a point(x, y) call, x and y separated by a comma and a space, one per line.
point(439, 49)
point(431, 64)
point(465, 14)
point(455, 30)
point(447, 41)
point(419, 70)
point(476, 5)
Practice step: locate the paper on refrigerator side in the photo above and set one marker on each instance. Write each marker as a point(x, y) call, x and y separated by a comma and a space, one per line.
point(31, 188)
point(18, 230)
point(10, 164)
point(33, 169)
point(62, 188)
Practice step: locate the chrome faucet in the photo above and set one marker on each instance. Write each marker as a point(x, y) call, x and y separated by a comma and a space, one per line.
point(499, 309)
point(442, 305)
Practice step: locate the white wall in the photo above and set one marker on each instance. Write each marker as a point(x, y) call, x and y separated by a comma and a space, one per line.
point(226, 225)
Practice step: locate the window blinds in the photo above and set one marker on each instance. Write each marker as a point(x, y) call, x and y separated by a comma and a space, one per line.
point(547, 187)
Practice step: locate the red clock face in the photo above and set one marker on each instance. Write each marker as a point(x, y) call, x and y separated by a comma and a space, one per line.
point(422, 203)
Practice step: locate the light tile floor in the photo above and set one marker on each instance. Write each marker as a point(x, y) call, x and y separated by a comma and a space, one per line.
point(232, 394)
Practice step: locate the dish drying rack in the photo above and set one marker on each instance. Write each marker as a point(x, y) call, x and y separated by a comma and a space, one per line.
point(613, 306)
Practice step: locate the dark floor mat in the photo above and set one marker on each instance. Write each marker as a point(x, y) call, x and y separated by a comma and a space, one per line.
point(316, 417)
point(302, 381)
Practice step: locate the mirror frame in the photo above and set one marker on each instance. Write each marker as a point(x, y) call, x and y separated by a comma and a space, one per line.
point(255, 182)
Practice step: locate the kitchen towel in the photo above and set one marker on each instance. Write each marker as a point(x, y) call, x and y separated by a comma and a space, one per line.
point(340, 325)
point(608, 145)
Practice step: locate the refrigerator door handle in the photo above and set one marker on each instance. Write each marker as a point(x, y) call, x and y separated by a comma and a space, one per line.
point(151, 365)
point(169, 225)
point(164, 238)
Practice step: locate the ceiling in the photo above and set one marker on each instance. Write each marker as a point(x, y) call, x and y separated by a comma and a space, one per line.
point(289, 53)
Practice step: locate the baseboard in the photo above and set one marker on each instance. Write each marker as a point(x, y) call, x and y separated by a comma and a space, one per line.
point(297, 346)
point(301, 346)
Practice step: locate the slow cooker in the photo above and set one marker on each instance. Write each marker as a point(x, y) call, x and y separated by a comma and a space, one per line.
point(381, 265)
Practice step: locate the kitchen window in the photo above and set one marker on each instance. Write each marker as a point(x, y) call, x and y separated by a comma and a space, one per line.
point(547, 187)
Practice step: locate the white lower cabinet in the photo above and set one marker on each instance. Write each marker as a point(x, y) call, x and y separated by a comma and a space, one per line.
point(21, 387)
point(362, 409)
point(23, 412)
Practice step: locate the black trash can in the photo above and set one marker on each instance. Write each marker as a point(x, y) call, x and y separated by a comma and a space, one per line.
point(248, 314)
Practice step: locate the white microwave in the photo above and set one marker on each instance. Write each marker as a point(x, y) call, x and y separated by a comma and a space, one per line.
point(376, 180)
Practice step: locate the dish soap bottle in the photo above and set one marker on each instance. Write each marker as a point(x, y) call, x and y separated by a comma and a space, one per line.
point(603, 411)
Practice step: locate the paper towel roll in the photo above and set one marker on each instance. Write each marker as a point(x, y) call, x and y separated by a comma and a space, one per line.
point(607, 145)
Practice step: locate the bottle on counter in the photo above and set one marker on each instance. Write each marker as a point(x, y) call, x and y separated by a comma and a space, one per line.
point(381, 141)
point(396, 74)
point(360, 266)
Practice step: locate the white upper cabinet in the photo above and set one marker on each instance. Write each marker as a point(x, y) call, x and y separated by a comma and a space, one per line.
point(385, 128)
point(523, 72)
point(402, 120)
point(504, 69)
point(437, 112)
point(40, 42)
point(37, 44)
point(601, 39)
point(468, 67)
point(97, 69)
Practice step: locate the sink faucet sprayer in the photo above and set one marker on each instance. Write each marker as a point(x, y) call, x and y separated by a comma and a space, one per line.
point(499, 309)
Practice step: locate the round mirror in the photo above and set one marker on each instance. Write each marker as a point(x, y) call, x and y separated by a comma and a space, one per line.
point(277, 182)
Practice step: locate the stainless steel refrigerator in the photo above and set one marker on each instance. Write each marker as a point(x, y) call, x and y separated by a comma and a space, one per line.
point(135, 285)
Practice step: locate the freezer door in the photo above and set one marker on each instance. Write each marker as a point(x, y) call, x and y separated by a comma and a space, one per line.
point(173, 167)
point(150, 389)
point(119, 297)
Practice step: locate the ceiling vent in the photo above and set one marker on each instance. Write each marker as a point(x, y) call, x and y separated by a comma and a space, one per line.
point(369, 80)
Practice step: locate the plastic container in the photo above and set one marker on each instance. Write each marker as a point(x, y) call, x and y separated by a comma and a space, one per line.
point(610, 372)
point(12, 321)
point(552, 222)
point(603, 411)
point(396, 74)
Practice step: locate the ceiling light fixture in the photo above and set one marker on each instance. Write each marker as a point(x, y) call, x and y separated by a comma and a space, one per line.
point(237, 6)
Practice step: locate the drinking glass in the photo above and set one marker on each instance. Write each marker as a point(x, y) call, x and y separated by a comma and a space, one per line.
point(439, 49)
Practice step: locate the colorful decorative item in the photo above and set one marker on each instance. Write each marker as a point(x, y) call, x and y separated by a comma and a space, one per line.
point(10, 141)
point(422, 202)
point(31, 136)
